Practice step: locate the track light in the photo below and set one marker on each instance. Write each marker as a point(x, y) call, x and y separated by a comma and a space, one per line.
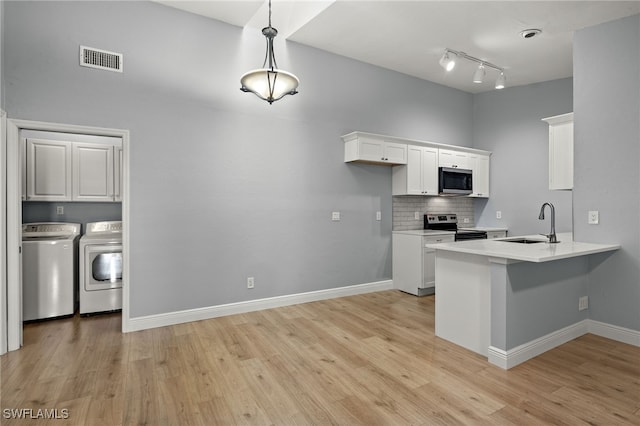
point(478, 77)
point(500, 82)
point(447, 61)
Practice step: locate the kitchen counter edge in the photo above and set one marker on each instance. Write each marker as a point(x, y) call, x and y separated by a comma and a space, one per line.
point(537, 253)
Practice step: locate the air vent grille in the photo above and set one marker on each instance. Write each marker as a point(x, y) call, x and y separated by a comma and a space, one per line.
point(101, 59)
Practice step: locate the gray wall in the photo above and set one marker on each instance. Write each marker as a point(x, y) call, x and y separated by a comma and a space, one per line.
point(223, 185)
point(508, 123)
point(607, 162)
point(36, 211)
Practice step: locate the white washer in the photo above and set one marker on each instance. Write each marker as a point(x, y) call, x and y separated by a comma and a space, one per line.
point(101, 267)
point(49, 269)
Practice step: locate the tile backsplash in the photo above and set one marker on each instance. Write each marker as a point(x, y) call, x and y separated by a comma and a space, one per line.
point(405, 206)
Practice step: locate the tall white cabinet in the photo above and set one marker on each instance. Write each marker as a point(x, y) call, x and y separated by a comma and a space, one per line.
point(560, 151)
point(479, 164)
point(420, 175)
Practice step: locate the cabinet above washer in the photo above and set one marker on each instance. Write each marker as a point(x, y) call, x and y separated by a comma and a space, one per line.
point(68, 167)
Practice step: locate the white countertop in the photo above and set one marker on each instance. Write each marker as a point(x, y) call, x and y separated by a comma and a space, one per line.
point(538, 252)
point(424, 232)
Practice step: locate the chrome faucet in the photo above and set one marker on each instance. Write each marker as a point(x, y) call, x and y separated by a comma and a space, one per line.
point(552, 235)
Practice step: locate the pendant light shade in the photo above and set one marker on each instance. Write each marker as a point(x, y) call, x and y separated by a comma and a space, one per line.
point(269, 83)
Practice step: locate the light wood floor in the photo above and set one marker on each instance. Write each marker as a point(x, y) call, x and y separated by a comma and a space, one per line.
point(371, 359)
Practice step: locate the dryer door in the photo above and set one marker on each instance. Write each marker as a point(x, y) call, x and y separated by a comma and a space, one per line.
point(103, 267)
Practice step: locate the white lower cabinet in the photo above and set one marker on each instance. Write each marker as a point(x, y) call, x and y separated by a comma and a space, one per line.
point(496, 234)
point(414, 264)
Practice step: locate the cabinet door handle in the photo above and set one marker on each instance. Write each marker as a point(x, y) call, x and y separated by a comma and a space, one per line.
point(439, 241)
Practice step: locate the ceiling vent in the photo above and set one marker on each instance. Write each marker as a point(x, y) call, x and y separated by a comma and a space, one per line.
point(101, 59)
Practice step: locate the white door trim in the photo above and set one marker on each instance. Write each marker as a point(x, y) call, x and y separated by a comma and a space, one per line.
point(3, 231)
point(14, 218)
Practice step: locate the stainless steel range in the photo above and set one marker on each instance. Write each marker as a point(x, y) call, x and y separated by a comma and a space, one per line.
point(449, 222)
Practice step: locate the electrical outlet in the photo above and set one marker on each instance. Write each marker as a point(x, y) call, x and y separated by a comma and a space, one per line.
point(594, 217)
point(335, 216)
point(465, 220)
point(250, 282)
point(583, 303)
point(498, 214)
point(378, 215)
point(59, 209)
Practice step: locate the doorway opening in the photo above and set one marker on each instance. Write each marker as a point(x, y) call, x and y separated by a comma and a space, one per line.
point(17, 130)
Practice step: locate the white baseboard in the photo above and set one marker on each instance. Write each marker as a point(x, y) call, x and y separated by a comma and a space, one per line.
point(522, 353)
point(179, 317)
point(519, 354)
point(613, 332)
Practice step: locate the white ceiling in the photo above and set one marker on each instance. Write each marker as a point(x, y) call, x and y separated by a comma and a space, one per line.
point(411, 36)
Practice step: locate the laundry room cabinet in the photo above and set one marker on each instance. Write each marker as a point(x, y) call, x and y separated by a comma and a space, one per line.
point(72, 171)
point(48, 170)
point(93, 170)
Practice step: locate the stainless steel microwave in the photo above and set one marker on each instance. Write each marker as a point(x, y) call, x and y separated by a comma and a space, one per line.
point(454, 181)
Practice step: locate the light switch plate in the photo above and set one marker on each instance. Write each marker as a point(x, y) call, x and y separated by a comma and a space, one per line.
point(378, 215)
point(335, 216)
point(594, 217)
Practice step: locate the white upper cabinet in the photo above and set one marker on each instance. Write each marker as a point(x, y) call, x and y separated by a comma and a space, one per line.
point(369, 149)
point(415, 163)
point(117, 173)
point(55, 169)
point(479, 164)
point(420, 175)
point(453, 158)
point(48, 170)
point(93, 171)
point(560, 151)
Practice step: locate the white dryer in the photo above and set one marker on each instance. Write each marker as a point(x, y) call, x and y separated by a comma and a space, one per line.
point(101, 267)
point(49, 269)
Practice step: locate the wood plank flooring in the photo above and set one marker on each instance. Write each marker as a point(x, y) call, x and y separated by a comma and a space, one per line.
point(363, 360)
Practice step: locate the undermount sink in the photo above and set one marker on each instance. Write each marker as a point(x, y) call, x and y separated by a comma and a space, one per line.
point(523, 241)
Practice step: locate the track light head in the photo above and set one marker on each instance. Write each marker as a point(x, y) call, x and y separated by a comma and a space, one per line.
point(447, 61)
point(501, 81)
point(478, 77)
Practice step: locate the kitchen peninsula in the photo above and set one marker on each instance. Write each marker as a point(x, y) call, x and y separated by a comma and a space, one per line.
point(511, 301)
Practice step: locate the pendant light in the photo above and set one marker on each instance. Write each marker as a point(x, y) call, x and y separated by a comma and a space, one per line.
point(269, 83)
